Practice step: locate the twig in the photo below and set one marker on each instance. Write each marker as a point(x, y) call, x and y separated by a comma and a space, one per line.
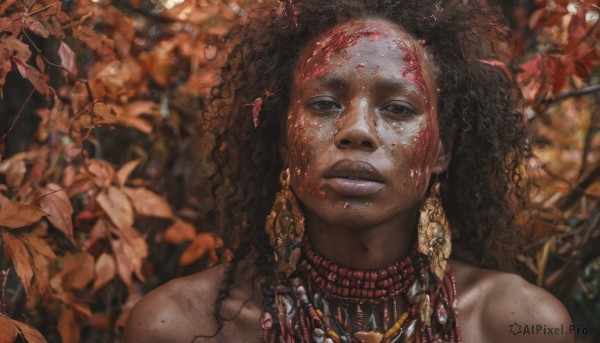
point(17, 117)
point(3, 296)
point(575, 93)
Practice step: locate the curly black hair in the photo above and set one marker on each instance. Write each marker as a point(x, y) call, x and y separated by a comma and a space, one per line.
point(484, 190)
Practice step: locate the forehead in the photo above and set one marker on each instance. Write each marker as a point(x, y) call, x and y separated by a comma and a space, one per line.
point(373, 48)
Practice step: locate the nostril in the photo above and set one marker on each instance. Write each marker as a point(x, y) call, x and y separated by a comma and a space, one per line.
point(367, 144)
point(345, 142)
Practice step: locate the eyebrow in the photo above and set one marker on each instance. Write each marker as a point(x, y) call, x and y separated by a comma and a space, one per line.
point(381, 85)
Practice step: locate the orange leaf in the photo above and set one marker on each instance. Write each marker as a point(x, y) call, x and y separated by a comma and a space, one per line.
point(147, 203)
point(58, 205)
point(76, 273)
point(14, 215)
point(105, 270)
point(31, 335)
point(126, 170)
point(16, 48)
point(8, 329)
point(77, 304)
point(180, 232)
point(202, 244)
point(69, 327)
point(67, 58)
point(20, 257)
point(117, 206)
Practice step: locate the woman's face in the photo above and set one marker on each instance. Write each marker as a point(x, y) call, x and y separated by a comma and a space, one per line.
point(362, 129)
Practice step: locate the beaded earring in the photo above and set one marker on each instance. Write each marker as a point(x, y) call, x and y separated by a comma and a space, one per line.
point(434, 233)
point(285, 226)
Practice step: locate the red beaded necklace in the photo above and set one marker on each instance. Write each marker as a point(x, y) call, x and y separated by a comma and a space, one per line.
point(325, 302)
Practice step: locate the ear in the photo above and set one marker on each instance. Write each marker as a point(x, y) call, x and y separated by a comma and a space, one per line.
point(443, 155)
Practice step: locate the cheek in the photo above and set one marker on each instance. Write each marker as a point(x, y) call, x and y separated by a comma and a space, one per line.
point(424, 152)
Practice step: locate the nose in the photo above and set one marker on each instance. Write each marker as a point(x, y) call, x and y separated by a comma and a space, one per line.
point(357, 129)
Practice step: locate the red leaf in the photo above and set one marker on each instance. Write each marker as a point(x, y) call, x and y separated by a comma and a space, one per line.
point(577, 30)
point(148, 203)
point(117, 206)
point(67, 58)
point(15, 215)
point(21, 259)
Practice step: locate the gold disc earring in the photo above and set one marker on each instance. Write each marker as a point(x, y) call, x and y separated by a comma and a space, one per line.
point(285, 226)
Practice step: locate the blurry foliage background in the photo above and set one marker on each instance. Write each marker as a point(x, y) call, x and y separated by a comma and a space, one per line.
point(101, 151)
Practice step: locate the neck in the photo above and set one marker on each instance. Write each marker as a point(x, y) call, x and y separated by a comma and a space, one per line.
point(365, 247)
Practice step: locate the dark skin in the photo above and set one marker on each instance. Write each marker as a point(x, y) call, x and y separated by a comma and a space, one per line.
point(363, 94)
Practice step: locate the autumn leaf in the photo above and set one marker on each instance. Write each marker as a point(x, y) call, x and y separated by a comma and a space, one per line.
point(8, 329)
point(126, 170)
point(105, 271)
point(20, 257)
point(57, 204)
point(130, 250)
point(76, 273)
point(180, 232)
point(31, 335)
point(75, 303)
point(12, 47)
point(67, 58)
point(37, 79)
point(202, 244)
point(117, 206)
point(68, 326)
point(15, 215)
point(148, 203)
point(36, 27)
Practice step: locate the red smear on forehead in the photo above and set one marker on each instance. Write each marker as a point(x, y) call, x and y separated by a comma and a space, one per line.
point(336, 41)
point(412, 69)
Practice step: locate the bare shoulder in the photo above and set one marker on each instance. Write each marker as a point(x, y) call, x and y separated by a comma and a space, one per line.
point(503, 307)
point(176, 311)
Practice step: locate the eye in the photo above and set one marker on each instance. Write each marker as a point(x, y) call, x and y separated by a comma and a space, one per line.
point(324, 104)
point(399, 109)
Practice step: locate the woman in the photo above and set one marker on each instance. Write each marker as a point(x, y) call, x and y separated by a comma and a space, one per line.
point(401, 143)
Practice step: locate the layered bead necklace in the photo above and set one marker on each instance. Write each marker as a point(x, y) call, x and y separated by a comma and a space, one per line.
point(324, 302)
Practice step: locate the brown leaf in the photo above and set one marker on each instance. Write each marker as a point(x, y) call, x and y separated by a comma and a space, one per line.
point(77, 304)
point(37, 79)
point(15, 215)
point(36, 27)
point(126, 170)
point(8, 329)
point(117, 206)
point(38, 244)
point(20, 257)
point(180, 232)
point(130, 250)
point(68, 59)
point(15, 48)
point(147, 203)
point(58, 206)
point(39, 61)
point(76, 273)
point(201, 245)
point(105, 271)
point(15, 174)
point(31, 335)
point(68, 326)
